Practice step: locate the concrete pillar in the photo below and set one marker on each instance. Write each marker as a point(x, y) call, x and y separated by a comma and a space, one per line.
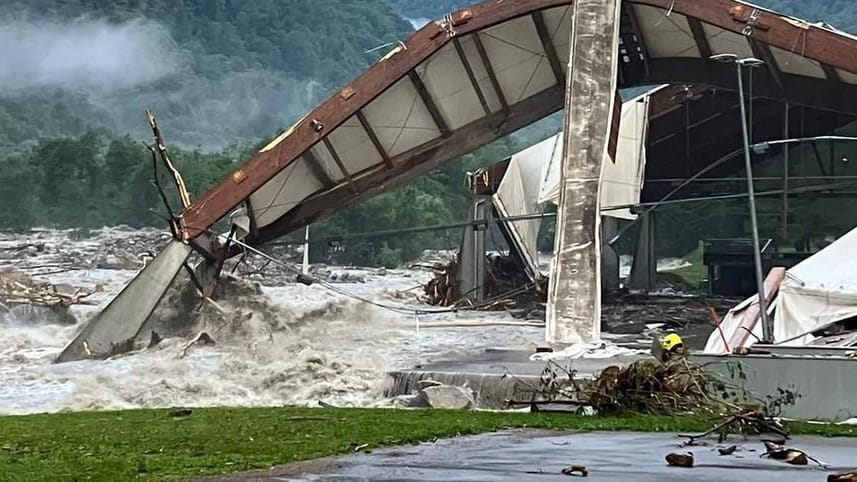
point(471, 256)
point(644, 269)
point(609, 255)
point(574, 295)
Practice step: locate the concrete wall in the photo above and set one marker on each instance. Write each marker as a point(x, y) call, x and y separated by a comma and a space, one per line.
point(827, 386)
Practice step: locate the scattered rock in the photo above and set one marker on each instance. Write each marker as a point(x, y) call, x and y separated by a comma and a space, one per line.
point(796, 457)
point(680, 460)
point(428, 383)
point(178, 413)
point(154, 340)
point(572, 470)
point(844, 477)
point(410, 401)
point(727, 450)
point(788, 455)
point(346, 277)
point(447, 397)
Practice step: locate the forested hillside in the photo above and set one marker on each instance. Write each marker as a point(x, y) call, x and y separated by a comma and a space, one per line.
point(217, 72)
point(222, 76)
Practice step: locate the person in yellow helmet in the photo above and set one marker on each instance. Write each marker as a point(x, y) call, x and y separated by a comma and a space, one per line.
point(668, 347)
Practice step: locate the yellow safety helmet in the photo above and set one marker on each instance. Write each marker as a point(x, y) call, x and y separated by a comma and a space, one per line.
point(671, 341)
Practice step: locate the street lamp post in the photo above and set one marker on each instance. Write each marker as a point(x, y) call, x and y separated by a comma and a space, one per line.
point(767, 328)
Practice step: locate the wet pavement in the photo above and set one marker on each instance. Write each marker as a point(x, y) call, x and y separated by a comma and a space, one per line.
point(540, 456)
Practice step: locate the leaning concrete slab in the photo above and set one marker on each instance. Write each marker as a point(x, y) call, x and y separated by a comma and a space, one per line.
point(574, 297)
point(121, 321)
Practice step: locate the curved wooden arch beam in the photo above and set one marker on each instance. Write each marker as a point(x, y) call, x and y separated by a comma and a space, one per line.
point(253, 174)
point(816, 43)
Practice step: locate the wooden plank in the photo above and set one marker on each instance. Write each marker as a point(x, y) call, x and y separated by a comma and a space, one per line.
point(699, 36)
point(263, 166)
point(374, 138)
point(317, 169)
point(548, 46)
point(472, 76)
point(430, 104)
point(574, 296)
point(338, 160)
point(831, 73)
point(613, 142)
point(763, 52)
point(825, 46)
point(492, 75)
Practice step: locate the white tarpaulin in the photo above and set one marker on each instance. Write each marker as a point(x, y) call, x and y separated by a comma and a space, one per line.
point(518, 195)
point(622, 180)
point(532, 179)
point(819, 291)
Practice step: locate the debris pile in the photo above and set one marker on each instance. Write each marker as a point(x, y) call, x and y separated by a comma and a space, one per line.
point(44, 252)
point(506, 285)
point(651, 387)
point(630, 313)
point(442, 289)
point(16, 288)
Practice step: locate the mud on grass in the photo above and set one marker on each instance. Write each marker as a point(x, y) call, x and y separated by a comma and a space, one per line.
point(150, 444)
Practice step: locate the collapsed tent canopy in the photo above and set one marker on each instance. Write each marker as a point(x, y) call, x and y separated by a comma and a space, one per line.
point(815, 294)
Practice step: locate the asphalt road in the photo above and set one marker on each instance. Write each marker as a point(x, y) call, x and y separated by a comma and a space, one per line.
point(540, 456)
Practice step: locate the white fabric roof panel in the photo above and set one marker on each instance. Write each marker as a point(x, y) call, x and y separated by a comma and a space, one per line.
point(846, 76)
point(666, 36)
point(518, 195)
point(794, 63)
point(468, 45)
point(726, 42)
point(520, 62)
point(622, 180)
point(327, 163)
point(400, 119)
point(448, 84)
point(819, 291)
point(285, 191)
point(353, 145)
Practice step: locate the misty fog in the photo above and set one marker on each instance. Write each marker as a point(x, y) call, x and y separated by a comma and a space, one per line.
point(82, 54)
point(117, 70)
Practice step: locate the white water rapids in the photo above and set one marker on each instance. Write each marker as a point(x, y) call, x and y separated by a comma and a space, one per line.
point(313, 345)
point(302, 344)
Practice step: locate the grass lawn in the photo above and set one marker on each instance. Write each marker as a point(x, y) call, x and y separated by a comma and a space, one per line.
point(150, 444)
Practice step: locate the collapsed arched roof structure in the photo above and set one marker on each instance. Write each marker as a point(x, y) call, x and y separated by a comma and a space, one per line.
point(486, 71)
point(477, 75)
